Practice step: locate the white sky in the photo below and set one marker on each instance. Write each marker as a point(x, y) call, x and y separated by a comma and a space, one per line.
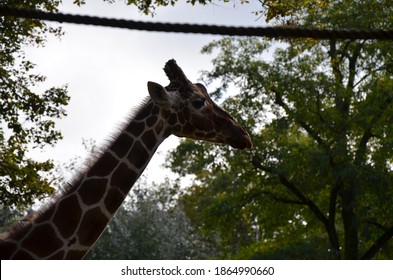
point(107, 69)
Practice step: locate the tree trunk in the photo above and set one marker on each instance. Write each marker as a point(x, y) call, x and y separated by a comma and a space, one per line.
point(351, 239)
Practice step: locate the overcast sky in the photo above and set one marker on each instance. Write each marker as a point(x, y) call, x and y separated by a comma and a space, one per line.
point(106, 69)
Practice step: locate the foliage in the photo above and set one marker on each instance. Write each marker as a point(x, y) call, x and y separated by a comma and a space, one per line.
point(149, 7)
point(151, 224)
point(26, 116)
point(318, 183)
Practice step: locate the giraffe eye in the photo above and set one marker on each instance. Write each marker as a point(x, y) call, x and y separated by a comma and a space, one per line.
point(198, 104)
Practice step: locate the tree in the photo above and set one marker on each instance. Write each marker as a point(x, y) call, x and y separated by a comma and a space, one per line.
point(149, 7)
point(318, 183)
point(27, 116)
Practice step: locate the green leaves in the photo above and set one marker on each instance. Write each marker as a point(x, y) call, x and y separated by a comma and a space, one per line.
point(27, 117)
point(149, 7)
point(20, 178)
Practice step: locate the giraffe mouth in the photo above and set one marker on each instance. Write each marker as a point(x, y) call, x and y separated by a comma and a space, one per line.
point(241, 145)
point(242, 141)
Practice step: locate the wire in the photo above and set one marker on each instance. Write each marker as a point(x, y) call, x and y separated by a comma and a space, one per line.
point(270, 32)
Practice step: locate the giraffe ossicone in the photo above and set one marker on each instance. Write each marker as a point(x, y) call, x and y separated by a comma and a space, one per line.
point(69, 227)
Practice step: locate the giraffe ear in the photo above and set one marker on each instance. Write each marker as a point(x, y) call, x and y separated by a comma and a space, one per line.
point(157, 93)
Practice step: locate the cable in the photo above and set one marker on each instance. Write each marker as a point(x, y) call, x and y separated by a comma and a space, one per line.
point(270, 32)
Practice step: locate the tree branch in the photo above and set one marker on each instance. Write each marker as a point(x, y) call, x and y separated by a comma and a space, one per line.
point(278, 198)
point(371, 72)
point(376, 224)
point(310, 131)
point(335, 243)
point(335, 61)
point(352, 65)
point(302, 199)
point(362, 149)
point(378, 244)
point(311, 205)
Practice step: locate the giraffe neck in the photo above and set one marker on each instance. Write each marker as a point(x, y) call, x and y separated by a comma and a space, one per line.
point(70, 227)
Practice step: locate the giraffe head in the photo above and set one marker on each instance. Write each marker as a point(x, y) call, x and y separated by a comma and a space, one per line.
point(190, 112)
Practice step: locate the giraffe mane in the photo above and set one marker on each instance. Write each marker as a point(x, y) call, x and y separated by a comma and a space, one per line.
point(69, 186)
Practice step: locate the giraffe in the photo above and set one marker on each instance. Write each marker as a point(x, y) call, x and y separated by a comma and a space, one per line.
point(69, 226)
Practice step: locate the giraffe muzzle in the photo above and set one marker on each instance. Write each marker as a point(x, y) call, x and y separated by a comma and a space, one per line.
point(241, 141)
